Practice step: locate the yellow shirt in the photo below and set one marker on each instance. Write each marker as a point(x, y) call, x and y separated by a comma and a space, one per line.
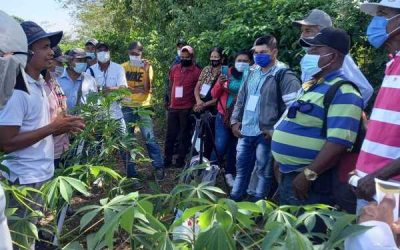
point(135, 77)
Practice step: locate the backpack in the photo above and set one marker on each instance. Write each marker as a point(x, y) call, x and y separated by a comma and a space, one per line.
point(328, 98)
point(279, 75)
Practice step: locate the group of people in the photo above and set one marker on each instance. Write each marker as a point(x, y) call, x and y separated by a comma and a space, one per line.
point(266, 123)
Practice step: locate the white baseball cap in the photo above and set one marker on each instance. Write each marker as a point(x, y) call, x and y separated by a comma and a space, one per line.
point(372, 8)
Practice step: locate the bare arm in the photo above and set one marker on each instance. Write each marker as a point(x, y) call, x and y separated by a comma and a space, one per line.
point(12, 140)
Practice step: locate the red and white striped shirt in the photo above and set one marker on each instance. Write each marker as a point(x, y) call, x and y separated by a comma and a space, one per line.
point(382, 142)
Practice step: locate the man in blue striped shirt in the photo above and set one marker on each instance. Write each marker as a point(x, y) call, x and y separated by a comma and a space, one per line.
point(306, 154)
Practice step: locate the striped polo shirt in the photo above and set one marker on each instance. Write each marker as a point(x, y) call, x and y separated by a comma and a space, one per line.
point(382, 142)
point(296, 142)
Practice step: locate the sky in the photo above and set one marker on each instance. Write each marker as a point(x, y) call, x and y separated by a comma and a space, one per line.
point(47, 13)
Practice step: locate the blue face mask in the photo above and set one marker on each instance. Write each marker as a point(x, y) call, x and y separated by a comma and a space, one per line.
point(376, 31)
point(309, 66)
point(80, 67)
point(262, 60)
point(92, 55)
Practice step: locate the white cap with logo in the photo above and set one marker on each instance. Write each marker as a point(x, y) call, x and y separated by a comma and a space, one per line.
point(372, 8)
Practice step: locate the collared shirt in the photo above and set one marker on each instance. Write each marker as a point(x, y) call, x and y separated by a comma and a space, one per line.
point(296, 142)
point(114, 76)
point(250, 121)
point(30, 112)
point(58, 106)
point(71, 88)
point(382, 141)
point(186, 78)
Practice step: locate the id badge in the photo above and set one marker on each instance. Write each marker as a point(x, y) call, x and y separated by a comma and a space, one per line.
point(205, 88)
point(252, 103)
point(179, 92)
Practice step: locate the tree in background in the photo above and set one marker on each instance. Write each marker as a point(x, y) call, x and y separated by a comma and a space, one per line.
point(233, 25)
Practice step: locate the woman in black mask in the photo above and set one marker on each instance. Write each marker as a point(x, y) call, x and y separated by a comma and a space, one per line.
point(202, 92)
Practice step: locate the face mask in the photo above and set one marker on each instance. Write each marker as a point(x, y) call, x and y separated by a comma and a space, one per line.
point(215, 63)
point(186, 62)
point(241, 66)
point(309, 65)
point(58, 71)
point(178, 52)
point(262, 60)
point(92, 55)
point(136, 60)
point(376, 31)
point(103, 56)
point(80, 67)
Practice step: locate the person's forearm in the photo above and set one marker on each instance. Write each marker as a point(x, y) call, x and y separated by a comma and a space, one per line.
point(389, 171)
point(147, 83)
point(26, 139)
point(327, 157)
point(197, 92)
point(210, 103)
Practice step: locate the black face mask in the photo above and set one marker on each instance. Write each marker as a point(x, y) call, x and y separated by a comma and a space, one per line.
point(215, 63)
point(186, 62)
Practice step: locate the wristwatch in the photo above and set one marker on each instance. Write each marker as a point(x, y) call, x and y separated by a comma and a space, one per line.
point(310, 175)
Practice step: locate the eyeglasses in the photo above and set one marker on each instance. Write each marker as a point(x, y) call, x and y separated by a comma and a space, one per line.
point(302, 106)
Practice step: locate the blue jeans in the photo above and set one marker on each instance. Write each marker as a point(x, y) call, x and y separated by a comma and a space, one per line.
point(146, 128)
point(252, 151)
point(225, 143)
point(320, 191)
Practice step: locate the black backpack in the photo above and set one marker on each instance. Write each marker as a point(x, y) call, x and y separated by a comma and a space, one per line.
point(328, 98)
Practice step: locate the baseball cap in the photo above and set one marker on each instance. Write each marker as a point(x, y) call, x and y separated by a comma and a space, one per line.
point(372, 8)
point(58, 55)
point(315, 17)
point(92, 41)
point(102, 44)
point(181, 41)
point(77, 53)
point(34, 33)
point(330, 37)
point(188, 49)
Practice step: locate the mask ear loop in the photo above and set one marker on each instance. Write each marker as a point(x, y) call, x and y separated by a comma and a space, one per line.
point(396, 29)
point(327, 63)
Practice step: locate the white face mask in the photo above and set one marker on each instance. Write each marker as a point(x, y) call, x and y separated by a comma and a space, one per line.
point(136, 61)
point(241, 66)
point(178, 51)
point(103, 56)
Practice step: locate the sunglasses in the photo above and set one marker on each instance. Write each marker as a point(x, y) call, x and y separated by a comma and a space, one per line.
point(299, 105)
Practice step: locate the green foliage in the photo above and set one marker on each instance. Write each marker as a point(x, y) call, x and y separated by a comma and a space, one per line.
point(234, 25)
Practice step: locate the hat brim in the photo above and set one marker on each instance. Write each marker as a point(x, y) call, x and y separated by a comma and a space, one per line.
point(370, 8)
point(300, 23)
point(308, 42)
point(54, 37)
point(61, 59)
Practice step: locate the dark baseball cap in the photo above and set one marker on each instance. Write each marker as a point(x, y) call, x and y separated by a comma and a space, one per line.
point(92, 41)
point(331, 37)
point(315, 17)
point(102, 44)
point(58, 55)
point(34, 33)
point(77, 53)
point(181, 41)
